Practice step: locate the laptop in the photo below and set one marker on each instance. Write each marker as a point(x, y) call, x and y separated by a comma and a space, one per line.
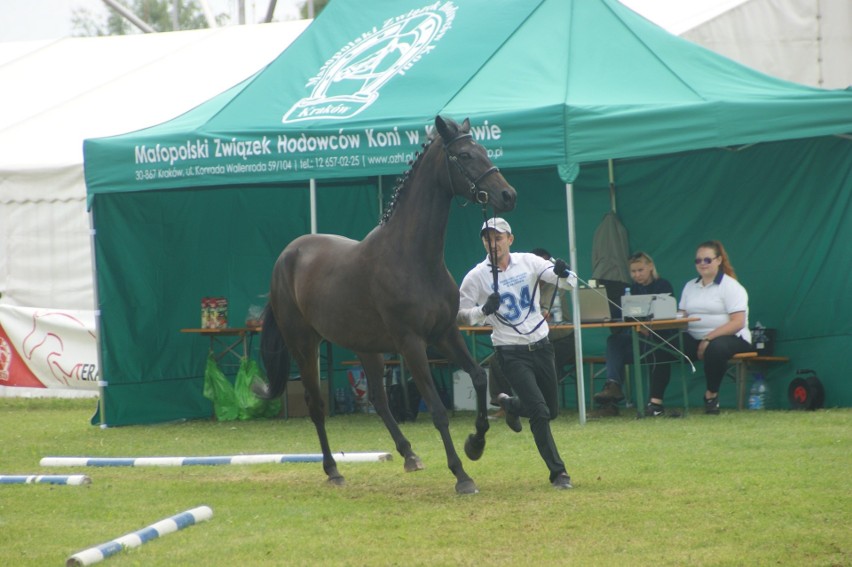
point(651, 306)
point(594, 306)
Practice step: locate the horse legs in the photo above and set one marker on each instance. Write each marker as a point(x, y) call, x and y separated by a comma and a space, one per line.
point(415, 357)
point(307, 357)
point(452, 345)
point(374, 366)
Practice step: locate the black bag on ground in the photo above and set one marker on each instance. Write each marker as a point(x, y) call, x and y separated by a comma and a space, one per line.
point(396, 398)
point(563, 354)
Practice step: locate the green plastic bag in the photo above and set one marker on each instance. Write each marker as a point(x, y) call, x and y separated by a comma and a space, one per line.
point(250, 405)
point(218, 390)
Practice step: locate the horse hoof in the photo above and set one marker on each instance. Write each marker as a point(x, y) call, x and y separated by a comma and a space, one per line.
point(413, 463)
point(336, 481)
point(466, 487)
point(474, 447)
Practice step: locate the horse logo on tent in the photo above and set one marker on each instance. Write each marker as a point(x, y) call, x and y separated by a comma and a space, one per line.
point(45, 346)
point(350, 81)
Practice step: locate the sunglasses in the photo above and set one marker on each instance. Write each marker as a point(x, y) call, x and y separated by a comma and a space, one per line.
point(704, 260)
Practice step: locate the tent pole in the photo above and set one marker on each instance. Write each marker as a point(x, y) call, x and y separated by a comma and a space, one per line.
point(575, 305)
point(129, 16)
point(313, 192)
point(270, 11)
point(102, 384)
point(208, 13)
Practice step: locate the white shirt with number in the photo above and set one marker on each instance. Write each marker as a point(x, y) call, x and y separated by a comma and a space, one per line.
point(516, 286)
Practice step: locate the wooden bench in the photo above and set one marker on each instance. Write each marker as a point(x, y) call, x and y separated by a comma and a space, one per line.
point(741, 362)
point(569, 377)
point(739, 365)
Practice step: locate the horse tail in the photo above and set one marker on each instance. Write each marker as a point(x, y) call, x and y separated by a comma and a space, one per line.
point(276, 358)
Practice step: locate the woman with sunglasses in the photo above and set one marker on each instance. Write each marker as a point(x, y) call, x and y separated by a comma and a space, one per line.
point(721, 304)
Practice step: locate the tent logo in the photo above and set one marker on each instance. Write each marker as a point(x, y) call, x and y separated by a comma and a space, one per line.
point(350, 81)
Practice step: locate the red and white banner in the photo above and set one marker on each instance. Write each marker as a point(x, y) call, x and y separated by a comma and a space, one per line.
point(47, 352)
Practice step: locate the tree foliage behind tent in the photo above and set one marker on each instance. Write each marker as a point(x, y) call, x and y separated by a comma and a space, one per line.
point(155, 13)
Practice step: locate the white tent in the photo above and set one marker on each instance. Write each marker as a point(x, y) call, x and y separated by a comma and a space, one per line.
point(54, 94)
point(804, 41)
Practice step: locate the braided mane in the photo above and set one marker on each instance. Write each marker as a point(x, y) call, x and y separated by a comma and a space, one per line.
point(402, 181)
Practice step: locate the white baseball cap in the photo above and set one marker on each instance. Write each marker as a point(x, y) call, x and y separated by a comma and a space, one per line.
point(498, 224)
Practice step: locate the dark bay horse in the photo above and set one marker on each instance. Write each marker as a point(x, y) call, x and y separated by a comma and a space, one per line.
point(389, 293)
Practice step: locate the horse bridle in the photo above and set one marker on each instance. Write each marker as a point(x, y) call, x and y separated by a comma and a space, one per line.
point(480, 197)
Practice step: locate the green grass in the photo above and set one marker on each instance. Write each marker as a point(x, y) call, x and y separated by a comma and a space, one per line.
point(743, 488)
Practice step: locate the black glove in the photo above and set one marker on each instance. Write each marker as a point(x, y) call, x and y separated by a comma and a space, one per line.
point(561, 268)
point(492, 304)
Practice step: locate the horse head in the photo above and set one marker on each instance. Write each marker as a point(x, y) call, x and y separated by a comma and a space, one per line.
point(471, 173)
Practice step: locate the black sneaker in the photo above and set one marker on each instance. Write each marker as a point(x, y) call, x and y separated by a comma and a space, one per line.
point(711, 405)
point(654, 410)
point(611, 393)
point(513, 420)
point(657, 410)
point(562, 481)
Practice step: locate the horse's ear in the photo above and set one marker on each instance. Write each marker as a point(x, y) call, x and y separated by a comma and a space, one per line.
point(443, 129)
point(465, 127)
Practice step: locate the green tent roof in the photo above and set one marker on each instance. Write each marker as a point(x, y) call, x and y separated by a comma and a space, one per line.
point(545, 82)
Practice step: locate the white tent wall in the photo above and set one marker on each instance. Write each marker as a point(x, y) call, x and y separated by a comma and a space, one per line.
point(56, 94)
point(804, 41)
point(46, 257)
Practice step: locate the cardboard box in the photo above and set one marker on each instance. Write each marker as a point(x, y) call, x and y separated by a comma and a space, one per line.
point(296, 406)
point(464, 395)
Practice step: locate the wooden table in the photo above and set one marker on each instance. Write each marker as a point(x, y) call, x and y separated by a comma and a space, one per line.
point(637, 339)
point(234, 341)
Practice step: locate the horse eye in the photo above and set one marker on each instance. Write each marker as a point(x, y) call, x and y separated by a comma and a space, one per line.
point(464, 155)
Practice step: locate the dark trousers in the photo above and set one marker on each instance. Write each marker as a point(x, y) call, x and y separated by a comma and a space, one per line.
point(619, 351)
point(563, 356)
point(716, 356)
point(497, 381)
point(532, 376)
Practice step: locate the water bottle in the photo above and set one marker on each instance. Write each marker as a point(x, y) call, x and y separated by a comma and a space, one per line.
point(626, 291)
point(556, 310)
point(757, 395)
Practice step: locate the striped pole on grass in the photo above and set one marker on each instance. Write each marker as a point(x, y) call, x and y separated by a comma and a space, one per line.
point(189, 461)
point(72, 479)
point(137, 538)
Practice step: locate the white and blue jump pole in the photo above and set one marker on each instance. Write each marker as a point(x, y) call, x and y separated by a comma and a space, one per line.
point(225, 460)
point(70, 479)
point(137, 538)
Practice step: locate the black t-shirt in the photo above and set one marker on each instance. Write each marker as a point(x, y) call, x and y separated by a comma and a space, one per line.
point(657, 286)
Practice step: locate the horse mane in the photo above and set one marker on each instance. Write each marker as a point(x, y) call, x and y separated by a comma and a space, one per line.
point(402, 181)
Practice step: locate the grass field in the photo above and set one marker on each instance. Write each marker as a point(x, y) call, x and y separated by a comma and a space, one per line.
point(743, 488)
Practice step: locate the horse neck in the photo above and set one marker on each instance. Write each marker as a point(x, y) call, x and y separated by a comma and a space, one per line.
point(419, 223)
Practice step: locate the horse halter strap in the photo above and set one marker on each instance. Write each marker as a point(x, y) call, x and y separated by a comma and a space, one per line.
point(480, 197)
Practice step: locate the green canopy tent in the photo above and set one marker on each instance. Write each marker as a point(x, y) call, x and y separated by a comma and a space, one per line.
point(702, 147)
